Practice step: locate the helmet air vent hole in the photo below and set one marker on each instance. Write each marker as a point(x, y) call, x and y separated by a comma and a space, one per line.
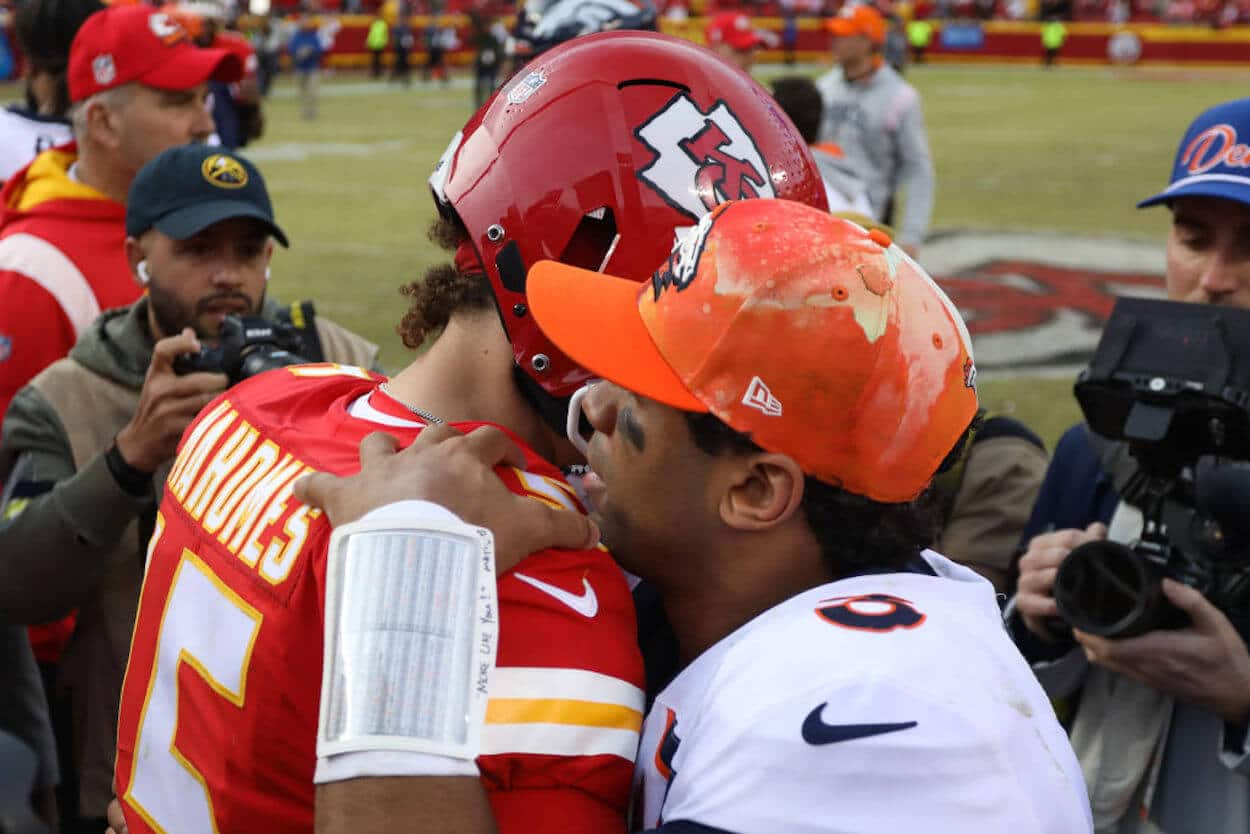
point(593, 241)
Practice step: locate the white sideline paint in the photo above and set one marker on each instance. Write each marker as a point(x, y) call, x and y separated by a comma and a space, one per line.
point(298, 151)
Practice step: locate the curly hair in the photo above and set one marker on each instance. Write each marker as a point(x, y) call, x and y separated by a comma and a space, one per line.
point(854, 532)
point(443, 290)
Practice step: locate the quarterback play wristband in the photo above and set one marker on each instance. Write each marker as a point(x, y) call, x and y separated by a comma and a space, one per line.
point(410, 634)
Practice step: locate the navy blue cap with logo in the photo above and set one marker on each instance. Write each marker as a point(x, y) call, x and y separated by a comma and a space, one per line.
point(186, 189)
point(1213, 159)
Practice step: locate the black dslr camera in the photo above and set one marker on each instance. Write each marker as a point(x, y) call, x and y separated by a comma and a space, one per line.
point(1172, 381)
point(247, 346)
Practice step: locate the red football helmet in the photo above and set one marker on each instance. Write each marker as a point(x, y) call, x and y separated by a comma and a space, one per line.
point(596, 153)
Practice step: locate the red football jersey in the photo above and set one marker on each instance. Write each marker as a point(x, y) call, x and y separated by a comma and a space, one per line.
point(217, 729)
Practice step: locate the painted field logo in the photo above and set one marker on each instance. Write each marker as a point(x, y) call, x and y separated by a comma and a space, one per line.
point(1038, 303)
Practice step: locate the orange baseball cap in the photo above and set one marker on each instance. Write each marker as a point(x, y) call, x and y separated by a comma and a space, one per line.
point(821, 340)
point(859, 20)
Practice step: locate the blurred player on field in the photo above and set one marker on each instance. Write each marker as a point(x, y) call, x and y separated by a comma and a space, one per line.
point(800, 99)
point(44, 30)
point(596, 156)
point(543, 24)
point(236, 106)
point(732, 36)
point(875, 117)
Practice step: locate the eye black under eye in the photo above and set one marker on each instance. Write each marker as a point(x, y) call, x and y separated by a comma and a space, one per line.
point(629, 426)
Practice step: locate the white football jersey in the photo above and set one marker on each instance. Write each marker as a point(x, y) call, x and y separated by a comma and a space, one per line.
point(24, 136)
point(879, 703)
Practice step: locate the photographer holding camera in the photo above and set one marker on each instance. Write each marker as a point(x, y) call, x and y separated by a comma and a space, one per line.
point(88, 443)
point(1164, 689)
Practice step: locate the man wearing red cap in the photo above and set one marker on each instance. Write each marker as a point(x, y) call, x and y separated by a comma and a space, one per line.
point(731, 36)
point(137, 86)
point(875, 117)
point(837, 675)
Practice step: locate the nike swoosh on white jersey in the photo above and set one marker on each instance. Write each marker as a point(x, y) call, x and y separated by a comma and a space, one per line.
point(586, 603)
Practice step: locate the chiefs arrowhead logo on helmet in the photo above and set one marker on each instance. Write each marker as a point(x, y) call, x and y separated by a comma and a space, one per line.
point(702, 159)
point(631, 137)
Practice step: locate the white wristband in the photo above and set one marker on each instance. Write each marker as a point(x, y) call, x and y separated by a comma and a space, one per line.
point(410, 633)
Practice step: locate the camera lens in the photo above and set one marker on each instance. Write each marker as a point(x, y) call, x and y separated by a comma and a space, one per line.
point(1106, 588)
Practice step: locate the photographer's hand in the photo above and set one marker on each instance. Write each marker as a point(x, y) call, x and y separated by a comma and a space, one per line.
point(457, 471)
point(167, 405)
point(1206, 664)
point(1035, 598)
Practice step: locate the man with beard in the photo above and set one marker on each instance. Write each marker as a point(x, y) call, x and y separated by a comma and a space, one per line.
point(136, 86)
point(86, 445)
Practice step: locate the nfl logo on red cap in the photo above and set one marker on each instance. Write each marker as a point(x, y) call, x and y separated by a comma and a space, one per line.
point(103, 69)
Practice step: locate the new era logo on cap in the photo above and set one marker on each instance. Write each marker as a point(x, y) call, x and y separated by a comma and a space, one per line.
point(761, 399)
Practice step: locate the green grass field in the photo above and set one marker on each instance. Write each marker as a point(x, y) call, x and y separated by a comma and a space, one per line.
point(1015, 148)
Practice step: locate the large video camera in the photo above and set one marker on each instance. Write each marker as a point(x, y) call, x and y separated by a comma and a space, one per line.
point(1172, 381)
point(251, 345)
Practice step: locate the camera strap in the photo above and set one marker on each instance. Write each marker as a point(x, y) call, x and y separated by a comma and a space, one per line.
point(304, 319)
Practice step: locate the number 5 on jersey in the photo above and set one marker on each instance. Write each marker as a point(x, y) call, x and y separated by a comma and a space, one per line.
point(212, 629)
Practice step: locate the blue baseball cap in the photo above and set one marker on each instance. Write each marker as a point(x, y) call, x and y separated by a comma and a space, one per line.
point(1213, 159)
point(186, 189)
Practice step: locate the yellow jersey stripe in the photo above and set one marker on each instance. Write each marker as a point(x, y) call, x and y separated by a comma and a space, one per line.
point(562, 711)
point(545, 683)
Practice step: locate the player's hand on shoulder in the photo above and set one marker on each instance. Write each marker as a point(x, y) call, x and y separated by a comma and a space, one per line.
point(456, 471)
point(167, 404)
point(1035, 599)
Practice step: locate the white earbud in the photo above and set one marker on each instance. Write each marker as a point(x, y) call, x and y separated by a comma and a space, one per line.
point(142, 269)
point(266, 273)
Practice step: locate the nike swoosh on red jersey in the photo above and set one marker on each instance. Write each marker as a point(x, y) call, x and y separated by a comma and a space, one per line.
point(586, 603)
point(817, 732)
